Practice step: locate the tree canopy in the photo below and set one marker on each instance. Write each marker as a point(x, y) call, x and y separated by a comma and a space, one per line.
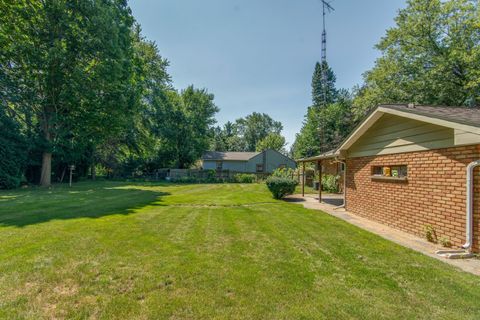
point(251, 133)
point(328, 120)
point(431, 56)
point(81, 84)
point(274, 141)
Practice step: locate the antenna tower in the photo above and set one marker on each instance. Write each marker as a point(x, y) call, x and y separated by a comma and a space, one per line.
point(325, 7)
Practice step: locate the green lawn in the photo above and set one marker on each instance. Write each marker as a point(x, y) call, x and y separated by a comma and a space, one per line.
point(162, 251)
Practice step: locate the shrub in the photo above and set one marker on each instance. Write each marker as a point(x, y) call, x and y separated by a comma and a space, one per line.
point(430, 233)
point(445, 241)
point(244, 178)
point(280, 187)
point(210, 174)
point(330, 183)
point(283, 173)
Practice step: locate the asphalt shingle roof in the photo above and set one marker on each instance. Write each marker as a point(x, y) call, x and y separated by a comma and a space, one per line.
point(225, 156)
point(463, 115)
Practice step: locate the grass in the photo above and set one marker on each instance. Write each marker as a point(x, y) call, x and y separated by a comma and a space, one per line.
point(308, 190)
point(111, 250)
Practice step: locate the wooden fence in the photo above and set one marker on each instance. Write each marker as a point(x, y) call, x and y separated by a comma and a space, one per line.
point(204, 174)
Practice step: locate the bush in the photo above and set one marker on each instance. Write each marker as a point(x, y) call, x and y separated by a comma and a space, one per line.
point(280, 187)
point(244, 178)
point(330, 183)
point(283, 173)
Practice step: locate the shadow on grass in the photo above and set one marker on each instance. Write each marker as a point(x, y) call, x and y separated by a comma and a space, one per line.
point(87, 201)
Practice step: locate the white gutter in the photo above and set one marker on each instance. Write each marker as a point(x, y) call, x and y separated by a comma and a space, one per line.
point(469, 225)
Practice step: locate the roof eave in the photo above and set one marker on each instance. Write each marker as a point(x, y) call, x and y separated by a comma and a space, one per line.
point(381, 110)
point(412, 114)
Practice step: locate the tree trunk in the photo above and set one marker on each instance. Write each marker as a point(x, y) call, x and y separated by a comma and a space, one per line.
point(94, 172)
point(46, 176)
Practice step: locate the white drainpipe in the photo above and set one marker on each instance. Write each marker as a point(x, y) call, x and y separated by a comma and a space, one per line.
point(469, 225)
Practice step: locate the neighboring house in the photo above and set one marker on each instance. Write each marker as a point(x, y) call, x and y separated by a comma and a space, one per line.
point(406, 167)
point(250, 162)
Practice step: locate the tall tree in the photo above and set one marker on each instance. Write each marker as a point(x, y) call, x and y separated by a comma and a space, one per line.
point(255, 127)
point(313, 136)
point(323, 95)
point(185, 126)
point(272, 141)
point(65, 70)
point(431, 56)
point(136, 147)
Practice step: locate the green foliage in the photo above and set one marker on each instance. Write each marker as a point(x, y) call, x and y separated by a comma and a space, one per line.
point(431, 56)
point(430, 233)
point(328, 121)
point(283, 173)
point(95, 91)
point(445, 242)
point(13, 153)
point(324, 127)
point(280, 187)
point(184, 126)
point(330, 183)
point(227, 138)
point(245, 178)
point(255, 132)
point(65, 71)
point(255, 127)
point(318, 90)
point(273, 141)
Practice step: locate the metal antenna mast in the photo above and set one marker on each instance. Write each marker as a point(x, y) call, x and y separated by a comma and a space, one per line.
point(325, 7)
point(323, 65)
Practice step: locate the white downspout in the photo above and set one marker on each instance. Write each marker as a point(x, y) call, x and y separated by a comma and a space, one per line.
point(469, 225)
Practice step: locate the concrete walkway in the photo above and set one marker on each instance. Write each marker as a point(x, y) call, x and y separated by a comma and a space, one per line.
point(330, 201)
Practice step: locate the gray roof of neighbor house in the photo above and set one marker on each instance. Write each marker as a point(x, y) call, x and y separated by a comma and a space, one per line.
point(463, 115)
point(226, 156)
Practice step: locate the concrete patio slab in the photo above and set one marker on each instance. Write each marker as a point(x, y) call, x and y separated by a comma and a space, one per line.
point(331, 201)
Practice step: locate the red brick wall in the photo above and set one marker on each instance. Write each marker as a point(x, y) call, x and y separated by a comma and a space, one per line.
point(433, 194)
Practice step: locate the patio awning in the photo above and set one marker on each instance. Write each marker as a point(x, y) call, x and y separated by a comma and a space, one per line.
point(326, 155)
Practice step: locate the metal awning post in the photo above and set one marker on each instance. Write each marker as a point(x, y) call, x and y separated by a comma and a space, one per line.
point(303, 179)
point(319, 164)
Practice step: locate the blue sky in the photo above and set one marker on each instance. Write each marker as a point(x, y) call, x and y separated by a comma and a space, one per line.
point(259, 55)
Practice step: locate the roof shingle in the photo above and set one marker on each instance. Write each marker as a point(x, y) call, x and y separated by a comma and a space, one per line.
point(463, 115)
point(232, 156)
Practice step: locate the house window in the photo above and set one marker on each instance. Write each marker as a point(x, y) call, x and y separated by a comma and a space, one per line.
point(259, 167)
point(390, 172)
point(342, 167)
point(219, 165)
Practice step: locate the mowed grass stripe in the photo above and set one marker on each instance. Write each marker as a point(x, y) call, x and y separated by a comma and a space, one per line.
point(111, 250)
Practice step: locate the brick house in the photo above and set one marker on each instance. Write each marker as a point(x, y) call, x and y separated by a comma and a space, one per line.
point(406, 167)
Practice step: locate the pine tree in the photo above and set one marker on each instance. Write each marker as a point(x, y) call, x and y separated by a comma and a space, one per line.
point(318, 90)
point(327, 121)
